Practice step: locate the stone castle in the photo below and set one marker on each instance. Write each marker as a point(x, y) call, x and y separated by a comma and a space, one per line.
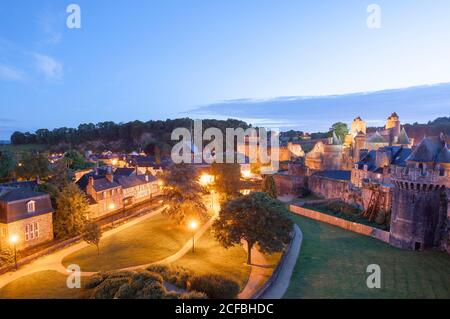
point(382, 171)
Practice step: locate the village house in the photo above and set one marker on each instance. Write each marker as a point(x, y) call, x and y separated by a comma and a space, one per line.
point(104, 194)
point(137, 188)
point(25, 214)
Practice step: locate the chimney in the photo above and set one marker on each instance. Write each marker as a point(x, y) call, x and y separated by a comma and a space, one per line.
point(109, 176)
point(90, 186)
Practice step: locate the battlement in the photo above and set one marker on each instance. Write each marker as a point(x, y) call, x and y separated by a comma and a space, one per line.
point(422, 178)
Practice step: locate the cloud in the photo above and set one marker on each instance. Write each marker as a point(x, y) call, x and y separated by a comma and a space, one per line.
point(50, 67)
point(9, 73)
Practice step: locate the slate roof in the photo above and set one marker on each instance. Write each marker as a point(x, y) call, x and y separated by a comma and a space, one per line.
point(377, 138)
point(403, 138)
point(26, 184)
point(124, 171)
point(13, 194)
point(444, 156)
point(335, 174)
point(398, 157)
point(429, 150)
point(103, 184)
point(135, 180)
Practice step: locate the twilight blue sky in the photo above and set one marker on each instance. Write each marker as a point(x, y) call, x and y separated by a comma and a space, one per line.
point(156, 59)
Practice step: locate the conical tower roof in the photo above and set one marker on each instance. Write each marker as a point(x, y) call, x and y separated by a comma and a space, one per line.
point(403, 138)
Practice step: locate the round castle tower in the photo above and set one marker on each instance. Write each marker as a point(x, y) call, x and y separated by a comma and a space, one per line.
point(419, 203)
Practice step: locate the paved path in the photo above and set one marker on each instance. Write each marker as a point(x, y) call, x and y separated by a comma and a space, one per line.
point(281, 283)
point(259, 273)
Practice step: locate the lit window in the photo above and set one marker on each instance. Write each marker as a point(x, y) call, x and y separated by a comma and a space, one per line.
point(31, 207)
point(32, 231)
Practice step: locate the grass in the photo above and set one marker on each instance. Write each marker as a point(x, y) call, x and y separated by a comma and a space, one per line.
point(41, 285)
point(211, 257)
point(151, 240)
point(333, 263)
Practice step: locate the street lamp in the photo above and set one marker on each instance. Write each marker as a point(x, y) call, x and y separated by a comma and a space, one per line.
point(193, 225)
point(212, 198)
point(13, 240)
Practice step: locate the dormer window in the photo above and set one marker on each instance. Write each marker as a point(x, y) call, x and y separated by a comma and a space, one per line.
point(31, 206)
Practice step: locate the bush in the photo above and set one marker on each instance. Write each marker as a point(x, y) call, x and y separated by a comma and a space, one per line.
point(108, 288)
point(154, 290)
point(193, 295)
point(176, 275)
point(94, 280)
point(215, 286)
point(6, 257)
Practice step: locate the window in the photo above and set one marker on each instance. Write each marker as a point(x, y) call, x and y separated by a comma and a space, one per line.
point(31, 206)
point(32, 231)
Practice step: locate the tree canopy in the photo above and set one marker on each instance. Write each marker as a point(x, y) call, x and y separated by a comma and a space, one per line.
point(72, 209)
point(269, 187)
point(183, 194)
point(257, 219)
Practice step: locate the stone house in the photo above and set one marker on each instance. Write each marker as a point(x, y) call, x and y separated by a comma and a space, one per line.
point(138, 188)
point(104, 194)
point(26, 214)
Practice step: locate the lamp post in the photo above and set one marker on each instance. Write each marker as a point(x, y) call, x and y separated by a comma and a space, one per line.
point(212, 198)
point(193, 225)
point(13, 240)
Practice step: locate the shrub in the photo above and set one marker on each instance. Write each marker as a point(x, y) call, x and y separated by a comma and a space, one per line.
point(108, 288)
point(95, 280)
point(215, 286)
point(125, 291)
point(176, 275)
point(381, 218)
point(6, 257)
point(154, 290)
point(193, 295)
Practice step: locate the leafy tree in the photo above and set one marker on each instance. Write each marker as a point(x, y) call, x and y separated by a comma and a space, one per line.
point(227, 178)
point(50, 189)
point(183, 193)
point(32, 165)
point(340, 129)
point(269, 186)
point(257, 219)
point(72, 209)
point(77, 160)
point(92, 235)
point(61, 173)
point(7, 165)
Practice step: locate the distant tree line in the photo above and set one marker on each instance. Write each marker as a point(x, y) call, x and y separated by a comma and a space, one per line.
point(129, 134)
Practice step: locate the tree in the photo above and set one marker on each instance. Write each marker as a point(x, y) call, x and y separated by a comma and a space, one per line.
point(227, 178)
point(269, 186)
point(7, 165)
point(257, 219)
point(183, 193)
point(77, 160)
point(72, 209)
point(61, 173)
point(92, 235)
point(340, 129)
point(32, 165)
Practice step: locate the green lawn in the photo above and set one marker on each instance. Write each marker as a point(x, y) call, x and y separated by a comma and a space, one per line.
point(211, 257)
point(333, 263)
point(151, 240)
point(40, 285)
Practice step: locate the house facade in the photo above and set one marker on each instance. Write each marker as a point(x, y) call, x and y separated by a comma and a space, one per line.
point(26, 214)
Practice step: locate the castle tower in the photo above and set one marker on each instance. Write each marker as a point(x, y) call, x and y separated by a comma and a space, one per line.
point(358, 125)
point(359, 145)
point(393, 124)
point(419, 197)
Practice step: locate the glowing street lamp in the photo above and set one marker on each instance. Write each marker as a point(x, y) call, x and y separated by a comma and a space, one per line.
point(193, 225)
point(206, 179)
point(13, 240)
point(246, 173)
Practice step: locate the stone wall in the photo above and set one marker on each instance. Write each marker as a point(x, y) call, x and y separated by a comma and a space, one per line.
point(342, 223)
point(328, 188)
point(18, 228)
